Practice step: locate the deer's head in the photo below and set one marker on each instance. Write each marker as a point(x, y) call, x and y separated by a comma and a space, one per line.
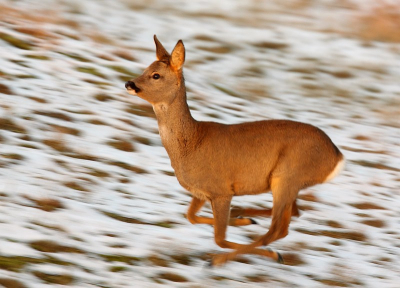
point(162, 80)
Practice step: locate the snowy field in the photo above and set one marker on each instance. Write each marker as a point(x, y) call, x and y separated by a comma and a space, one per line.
point(87, 194)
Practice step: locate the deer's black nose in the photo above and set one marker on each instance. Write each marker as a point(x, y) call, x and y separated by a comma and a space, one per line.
point(131, 85)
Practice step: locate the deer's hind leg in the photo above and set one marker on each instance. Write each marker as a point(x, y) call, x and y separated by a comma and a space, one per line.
point(251, 212)
point(195, 207)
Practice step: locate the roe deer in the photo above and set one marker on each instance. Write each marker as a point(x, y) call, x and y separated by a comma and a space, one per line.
point(215, 161)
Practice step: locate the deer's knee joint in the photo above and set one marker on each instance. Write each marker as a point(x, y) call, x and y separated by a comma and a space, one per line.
point(221, 243)
point(272, 236)
point(192, 219)
point(282, 234)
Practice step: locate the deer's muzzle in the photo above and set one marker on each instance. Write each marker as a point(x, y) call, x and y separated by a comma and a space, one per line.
point(130, 85)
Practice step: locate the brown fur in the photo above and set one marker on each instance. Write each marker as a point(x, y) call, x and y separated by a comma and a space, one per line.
point(215, 161)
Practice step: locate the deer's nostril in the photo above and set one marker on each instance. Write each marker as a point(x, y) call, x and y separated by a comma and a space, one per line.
point(127, 84)
point(131, 85)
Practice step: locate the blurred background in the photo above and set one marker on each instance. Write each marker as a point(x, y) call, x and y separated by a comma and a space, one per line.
point(87, 194)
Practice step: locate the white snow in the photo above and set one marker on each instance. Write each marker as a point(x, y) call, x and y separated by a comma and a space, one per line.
point(232, 75)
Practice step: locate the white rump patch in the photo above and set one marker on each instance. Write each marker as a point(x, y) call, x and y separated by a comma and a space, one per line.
point(338, 168)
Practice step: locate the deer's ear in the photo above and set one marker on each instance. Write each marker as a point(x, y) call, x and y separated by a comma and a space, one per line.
point(161, 53)
point(178, 56)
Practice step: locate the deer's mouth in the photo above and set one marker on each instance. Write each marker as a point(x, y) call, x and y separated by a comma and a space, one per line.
point(130, 85)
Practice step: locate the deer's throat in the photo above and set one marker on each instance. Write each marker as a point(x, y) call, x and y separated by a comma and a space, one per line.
point(176, 126)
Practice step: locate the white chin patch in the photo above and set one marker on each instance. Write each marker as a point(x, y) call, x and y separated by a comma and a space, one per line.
point(131, 91)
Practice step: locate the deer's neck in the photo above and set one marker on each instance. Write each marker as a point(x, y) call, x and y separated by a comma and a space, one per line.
point(178, 129)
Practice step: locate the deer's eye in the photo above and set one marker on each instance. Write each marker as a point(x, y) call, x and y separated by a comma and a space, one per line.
point(156, 76)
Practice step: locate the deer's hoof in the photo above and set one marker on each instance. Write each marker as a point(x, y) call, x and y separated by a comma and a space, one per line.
point(280, 258)
point(218, 260)
point(209, 264)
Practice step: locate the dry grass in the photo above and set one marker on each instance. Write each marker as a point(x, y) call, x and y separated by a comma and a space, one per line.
point(98, 173)
point(12, 156)
point(10, 125)
point(16, 263)
point(37, 99)
point(334, 283)
point(172, 277)
point(47, 226)
point(375, 165)
point(65, 130)
point(120, 258)
point(99, 37)
point(374, 223)
point(141, 110)
point(46, 203)
point(367, 206)
point(53, 247)
point(158, 261)
point(362, 138)
point(4, 89)
point(123, 218)
point(49, 204)
point(92, 71)
point(381, 23)
point(298, 4)
point(102, 97)
point(57, 115)
point(342, 74)
point(36, 32)
point(292, 259)
point(271, 45)
point(16, 42)
point(96, 122)
point(57, 145)
point(11, 283)
point(124, 54)
point(75, 56)
point(62, 279)
point(346, 235)
point(33, 18)
point(9, 14)
point(117, 269)
point(257, 278)
point(75, 186)
point(142, 140)
point(121, 144)
point(221, 49)
point(183, 259)
point(333, 224)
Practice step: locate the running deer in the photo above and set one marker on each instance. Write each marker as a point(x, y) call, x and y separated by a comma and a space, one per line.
point(216, 161)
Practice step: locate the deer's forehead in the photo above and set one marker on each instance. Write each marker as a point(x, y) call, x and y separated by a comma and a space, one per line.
point(157, 65)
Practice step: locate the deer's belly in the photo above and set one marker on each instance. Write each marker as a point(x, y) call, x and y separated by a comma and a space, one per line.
point(208, 183)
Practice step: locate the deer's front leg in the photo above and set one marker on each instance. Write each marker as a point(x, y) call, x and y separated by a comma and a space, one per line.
point(195, 207)
point(221, 211)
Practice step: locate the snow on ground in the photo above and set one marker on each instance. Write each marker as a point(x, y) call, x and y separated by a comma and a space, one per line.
point(87, 194)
